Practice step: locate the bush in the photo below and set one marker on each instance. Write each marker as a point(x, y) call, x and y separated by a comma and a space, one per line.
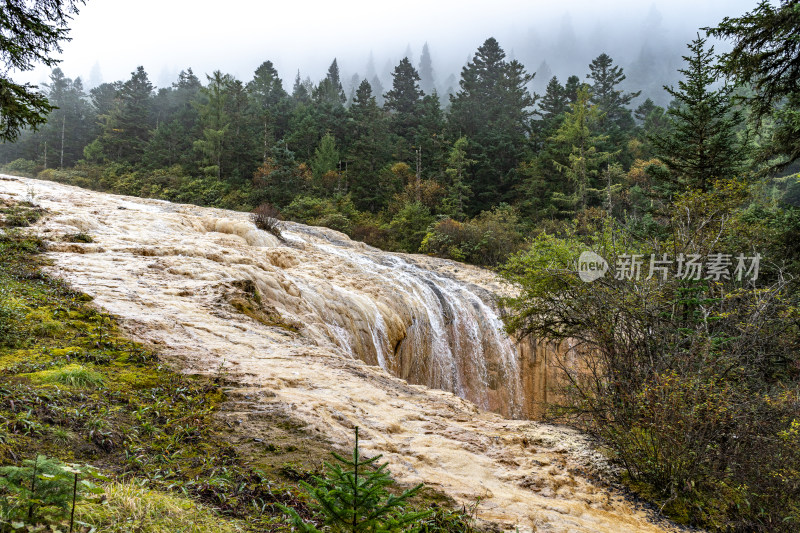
point(486, 240)
point(266, 217)
point(693, 384)
point(22, 167)
point(409, 226)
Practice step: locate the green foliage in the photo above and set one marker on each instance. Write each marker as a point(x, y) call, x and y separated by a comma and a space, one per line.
point(326, 157)
point(691, 383)
point(492, 109)
point(73, 375)
point(577, 135)
point(409, 226)
point(31, 34)
point(700, 143)
point(488, 239)
point(128, 507)
point(42, 492)
point(353, 497)
point(22, 167)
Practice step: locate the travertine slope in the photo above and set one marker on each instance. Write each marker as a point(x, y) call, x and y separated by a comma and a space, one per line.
point(340, 334)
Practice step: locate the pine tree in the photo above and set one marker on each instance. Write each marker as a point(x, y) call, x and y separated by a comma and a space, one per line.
point(369, 151)
point(458, 192)
point(216, 122)
point(766, 54)
point(326, 157)
point(301, 91)
point(352, 498)
point(330, 90)
point(30, 34)
point(127, 126)
point(403, 101)
point(700, 144)
point(552, 107)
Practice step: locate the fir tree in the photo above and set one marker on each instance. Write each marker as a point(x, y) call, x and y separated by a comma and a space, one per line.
point(268, 101)
point(616, 122)
point(582, 163)
point(352, 498)
point(492, 109)
point(427, 81)
point(700, 144)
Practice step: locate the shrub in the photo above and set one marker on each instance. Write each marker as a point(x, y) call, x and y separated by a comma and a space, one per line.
point(693, 384)
point(486, 240)
point(267, 217)
point(22, 167)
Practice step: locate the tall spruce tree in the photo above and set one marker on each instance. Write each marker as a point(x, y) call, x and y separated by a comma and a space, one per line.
point(552, 107)
point(216, 122)
point(766, 55)
point(492, 109)
point(427, 80)
point(403, 102)
point(581, 160)
point(269, 105)
point(369, 151)
point(127, 126)
point(30, 33)
point(616, 122)
point(700, 144)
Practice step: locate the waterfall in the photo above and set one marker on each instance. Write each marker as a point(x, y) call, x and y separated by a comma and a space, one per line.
point(446, 332)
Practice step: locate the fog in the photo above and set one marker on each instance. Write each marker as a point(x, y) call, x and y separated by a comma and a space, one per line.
point(111, 38)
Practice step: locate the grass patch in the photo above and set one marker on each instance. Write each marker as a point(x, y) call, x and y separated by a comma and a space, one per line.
point(129, 507)
point(70, 375)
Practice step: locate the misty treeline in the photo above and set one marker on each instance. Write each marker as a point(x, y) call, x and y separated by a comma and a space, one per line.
point(465, 177)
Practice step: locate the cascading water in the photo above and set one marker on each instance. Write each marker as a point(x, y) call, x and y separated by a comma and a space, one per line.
point(445, 333)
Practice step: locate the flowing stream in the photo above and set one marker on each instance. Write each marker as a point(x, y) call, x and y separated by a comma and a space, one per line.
point(336, 334)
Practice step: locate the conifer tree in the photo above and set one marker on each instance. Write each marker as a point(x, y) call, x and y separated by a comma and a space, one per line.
point(700, 144)
point(330, 90)
point(268, 101)
point(369, 151)
point(403, 101)
point(492, 109)
point(216, 122)
point(583, 160)
point(427, 81)
point(616, 122)
point(458, 192)
point(30, 33)
point(127, 126)
point(552, 107)
point(352, 498)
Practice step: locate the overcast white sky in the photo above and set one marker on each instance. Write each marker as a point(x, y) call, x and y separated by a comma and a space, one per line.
point(235, 36)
